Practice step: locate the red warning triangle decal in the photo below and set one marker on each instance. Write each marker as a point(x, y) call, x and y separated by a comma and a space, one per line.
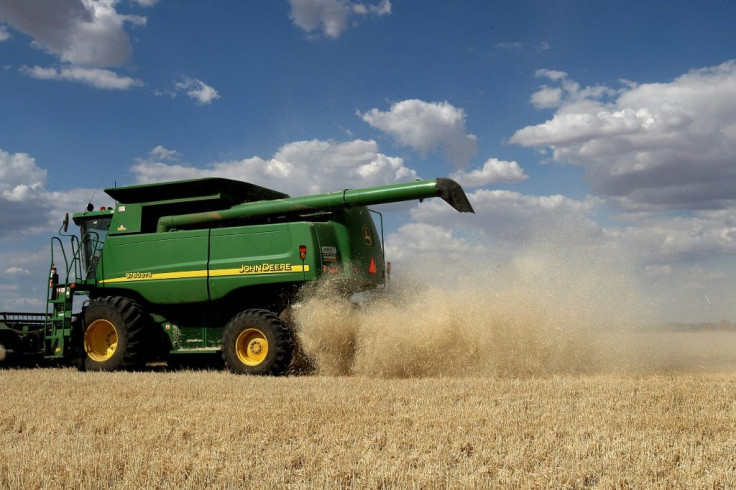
point(372, 267)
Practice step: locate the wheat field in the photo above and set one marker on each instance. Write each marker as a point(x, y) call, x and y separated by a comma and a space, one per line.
point(60, 428)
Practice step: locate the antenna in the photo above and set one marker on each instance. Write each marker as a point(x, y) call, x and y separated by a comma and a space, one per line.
point(99, 182)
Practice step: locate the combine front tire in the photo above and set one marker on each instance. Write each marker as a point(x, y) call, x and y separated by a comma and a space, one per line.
point(257, 342)
point(114, 329)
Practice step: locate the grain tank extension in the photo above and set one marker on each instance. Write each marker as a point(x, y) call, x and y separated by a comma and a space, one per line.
point(200, 267)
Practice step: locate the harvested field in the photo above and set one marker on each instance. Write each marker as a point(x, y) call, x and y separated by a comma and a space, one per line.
point(60, 428)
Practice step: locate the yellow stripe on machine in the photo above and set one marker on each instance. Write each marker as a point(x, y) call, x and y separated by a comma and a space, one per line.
point(256, 269)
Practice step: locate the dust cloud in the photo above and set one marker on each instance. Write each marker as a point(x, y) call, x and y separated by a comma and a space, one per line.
point(541, 314)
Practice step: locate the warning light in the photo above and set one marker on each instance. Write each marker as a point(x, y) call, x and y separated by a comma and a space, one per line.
point(303, 252)
point(372, 266)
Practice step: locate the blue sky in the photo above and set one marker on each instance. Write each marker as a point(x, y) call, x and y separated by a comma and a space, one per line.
point(603, 129)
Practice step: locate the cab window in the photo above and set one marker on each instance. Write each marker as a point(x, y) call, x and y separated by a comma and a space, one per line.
point(94, 232)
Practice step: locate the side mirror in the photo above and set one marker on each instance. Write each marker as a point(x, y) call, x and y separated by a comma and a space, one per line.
point(65, 225)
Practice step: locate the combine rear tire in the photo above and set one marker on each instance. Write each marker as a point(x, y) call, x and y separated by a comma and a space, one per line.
point(257, 342)
point(114, 329)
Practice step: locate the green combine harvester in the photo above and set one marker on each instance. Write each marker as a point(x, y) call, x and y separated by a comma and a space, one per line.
point(201, 267)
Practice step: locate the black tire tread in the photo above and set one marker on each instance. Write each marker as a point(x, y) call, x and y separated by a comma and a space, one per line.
point(264, 320)
point(135, 322)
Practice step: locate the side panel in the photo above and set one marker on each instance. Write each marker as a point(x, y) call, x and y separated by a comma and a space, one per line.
point(165, 268)
point(360, 243)
point(126, 220)
point(260, 254)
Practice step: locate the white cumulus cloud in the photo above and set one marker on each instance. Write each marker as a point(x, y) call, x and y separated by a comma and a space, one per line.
point(162, 153)
point(83, 32)
point(494, 171)
point(516, 217)
point(546, 97)
point(301, 167)
point(96, 77)
point(25, 204)
point(646, 147)
point(331, 17)
point(17, 271)
point(87, 36)
point(427, 243)
point(19, 169)
point(197, 90)
point(426, 127)
point(553, 75)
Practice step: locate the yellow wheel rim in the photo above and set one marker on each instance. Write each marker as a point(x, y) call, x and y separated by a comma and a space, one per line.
point(251, 347)
point(100, 340)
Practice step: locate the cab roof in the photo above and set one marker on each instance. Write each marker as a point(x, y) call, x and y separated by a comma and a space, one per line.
point(229, 190)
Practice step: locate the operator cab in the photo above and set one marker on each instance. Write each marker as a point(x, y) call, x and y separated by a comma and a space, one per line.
point(93, 228)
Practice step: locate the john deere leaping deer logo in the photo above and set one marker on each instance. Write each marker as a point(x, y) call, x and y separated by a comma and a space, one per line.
point(367, 236)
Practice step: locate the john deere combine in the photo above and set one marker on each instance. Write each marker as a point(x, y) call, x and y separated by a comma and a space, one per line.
point(202, 266)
